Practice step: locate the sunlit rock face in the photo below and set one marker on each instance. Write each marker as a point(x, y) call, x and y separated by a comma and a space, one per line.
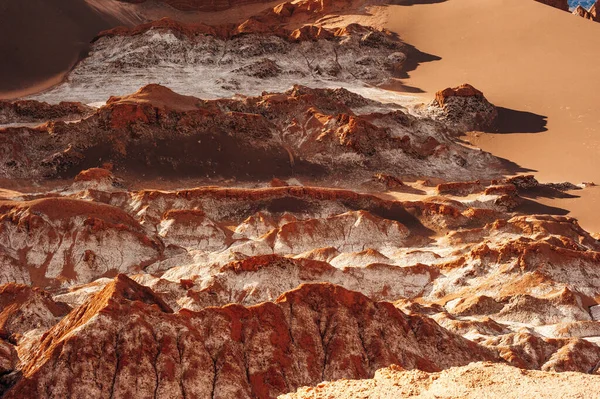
point(318, 134)
point(245, 212)
point(257, 292)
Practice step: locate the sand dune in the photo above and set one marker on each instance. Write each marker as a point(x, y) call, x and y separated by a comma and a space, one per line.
point(45, 45)
point(38, 51)
point(506, 49)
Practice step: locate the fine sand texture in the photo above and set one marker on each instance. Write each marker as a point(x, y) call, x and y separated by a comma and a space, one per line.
point(538, 63)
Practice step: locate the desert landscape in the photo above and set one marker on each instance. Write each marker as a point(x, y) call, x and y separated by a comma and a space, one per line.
point(305, 199)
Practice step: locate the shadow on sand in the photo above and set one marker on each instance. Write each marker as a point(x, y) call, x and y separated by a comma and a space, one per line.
point(545, 192)
point(513, 168)
point(513, 121)
point(530, 207)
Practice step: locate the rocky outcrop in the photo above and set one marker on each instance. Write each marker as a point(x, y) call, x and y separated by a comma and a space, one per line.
point(23, 308)
point(97, 179)
point(465, 107)
point(560, 4)
point(198, 5)
point(582, 12)
point(29, 111)
point(264, 278)
point(317, 133)
point(214, 300)
point(314, 333)
point(270, 51)
point(351, 231)
point(595, 11)
point(250, 284)
point(56, 241)
point(529, 351)
point(191, 229)
point(459, 188)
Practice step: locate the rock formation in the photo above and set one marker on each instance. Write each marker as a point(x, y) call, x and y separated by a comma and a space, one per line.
point(560, 4)
point(241, 215)
point(28, 111)
point(464, 106)
point(313, 333)
point(52, 241)
point(248, 58)
point(198, 5)
point(319, 133)
point(582, 12)
point(256, 292)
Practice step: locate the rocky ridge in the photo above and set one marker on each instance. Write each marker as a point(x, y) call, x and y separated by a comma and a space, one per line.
point(266, 52)
point(309, 334)
point(197, 5)
point(302, 132)
point(31, 111)
point(496, 285)
point(425, 259)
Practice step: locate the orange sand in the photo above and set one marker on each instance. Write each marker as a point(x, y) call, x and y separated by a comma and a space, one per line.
point(524, 56)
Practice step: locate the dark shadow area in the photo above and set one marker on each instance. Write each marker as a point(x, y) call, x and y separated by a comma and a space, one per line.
point(513, 168)
point(545, 192)
point(40, 39)
point(409, 190)
point(397, 85)
point(399, 213)
point(414, 58)
point(213, 154)
point(512, 121)
point(532, 207)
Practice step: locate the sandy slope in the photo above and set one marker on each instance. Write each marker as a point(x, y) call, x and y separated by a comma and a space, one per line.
point(41, 39)
point(524, 56)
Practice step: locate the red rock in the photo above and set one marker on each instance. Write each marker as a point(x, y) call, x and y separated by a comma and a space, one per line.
point(466, 107)
point(315, 332)
point(93, 175)
point(62, 239)
point(464, 90)
point(582, 12)
point(275, 182)
point(267, 23)
point(391, 182)
point(263, 278)
point(198, 5)
point(523, 181)
point(560, 4)
point(23, 308)
point(24, 111)
point(595, 11)
point(460, 188)
point(158, 132)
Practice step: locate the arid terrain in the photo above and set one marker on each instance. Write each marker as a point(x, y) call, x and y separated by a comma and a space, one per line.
point(311, 199)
